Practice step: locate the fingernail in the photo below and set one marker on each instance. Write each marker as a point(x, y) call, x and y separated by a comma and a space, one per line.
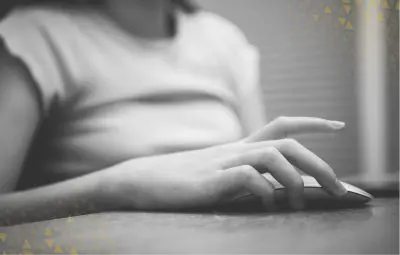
point(340, 189)
point(337, 124)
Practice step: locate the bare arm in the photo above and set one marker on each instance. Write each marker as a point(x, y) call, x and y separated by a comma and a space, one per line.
point(19, 118)
point(168, 182)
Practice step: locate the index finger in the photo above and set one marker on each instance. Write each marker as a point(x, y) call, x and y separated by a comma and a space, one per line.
point(285, 126)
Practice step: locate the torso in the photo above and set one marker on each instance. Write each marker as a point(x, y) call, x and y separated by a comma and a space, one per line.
point(130, 98)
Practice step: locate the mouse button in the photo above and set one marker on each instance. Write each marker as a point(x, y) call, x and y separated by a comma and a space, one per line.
point(357, 191)
point(319, 195)
point(310, 181)
point(273, 181)
point(316, 194)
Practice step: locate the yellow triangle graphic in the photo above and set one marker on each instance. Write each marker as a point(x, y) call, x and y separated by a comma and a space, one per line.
point(58, 249)
point(380, 17)
point(316, 17)
point(26, 245)
point(347, 8)
point(386, 4)
point(349, 26)
point(73, 251)
point(50, 242)
point(342, 21)
point(328, 9)
point(48, 232)
point(3, 237)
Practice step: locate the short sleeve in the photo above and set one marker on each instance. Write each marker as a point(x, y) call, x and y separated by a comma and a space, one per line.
point(244, 63)
point(241, 62)
point(26, 39)
point(240, 57)
point(246, 70)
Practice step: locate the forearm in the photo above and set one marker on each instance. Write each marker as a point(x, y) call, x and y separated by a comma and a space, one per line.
point(81, 195)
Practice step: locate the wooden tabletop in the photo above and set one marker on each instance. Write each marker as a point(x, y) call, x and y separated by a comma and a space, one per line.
point(372, 229)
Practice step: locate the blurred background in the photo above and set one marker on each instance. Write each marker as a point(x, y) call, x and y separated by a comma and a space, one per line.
point(335, 59)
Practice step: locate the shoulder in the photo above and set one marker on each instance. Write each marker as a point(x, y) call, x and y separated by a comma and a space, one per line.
point(220, 26)
point(225, 35)
point(239, 54)
point(35, 15)
point(39, 38)
point(37, 19)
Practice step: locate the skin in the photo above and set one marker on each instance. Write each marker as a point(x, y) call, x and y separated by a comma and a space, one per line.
point(186, 179)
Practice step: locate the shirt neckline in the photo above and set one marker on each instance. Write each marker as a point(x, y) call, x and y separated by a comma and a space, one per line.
point(159, 43)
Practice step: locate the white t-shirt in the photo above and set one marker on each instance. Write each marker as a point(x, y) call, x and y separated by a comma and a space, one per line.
point(108, 96)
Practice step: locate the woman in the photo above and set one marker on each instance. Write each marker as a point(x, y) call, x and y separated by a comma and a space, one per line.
point(137, 104)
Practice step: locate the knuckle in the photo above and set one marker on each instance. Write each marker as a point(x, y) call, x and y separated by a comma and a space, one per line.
point(231, 159)
point(324, 169)
point(245, 173)
point(322, 165)
point(329, 173)
point(231, 148)
point(270, 155)
point(239, 148)
point(268, 191)
point(281, 120)
point(247, 169)
point(290, 143)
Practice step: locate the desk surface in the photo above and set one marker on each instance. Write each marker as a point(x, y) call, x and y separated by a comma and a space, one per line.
point(373, 229)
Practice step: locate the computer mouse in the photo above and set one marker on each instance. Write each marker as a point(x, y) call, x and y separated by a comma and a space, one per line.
point(315, 197)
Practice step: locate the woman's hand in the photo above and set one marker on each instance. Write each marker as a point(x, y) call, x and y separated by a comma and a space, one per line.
point(217, 174)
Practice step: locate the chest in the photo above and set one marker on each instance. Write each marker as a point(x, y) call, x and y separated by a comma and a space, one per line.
point(118, 67)
point(130, 99)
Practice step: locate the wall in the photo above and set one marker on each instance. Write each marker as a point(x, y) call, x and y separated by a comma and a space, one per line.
point(309, 67)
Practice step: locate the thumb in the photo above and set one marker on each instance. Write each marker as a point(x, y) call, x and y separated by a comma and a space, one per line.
point(284, 126)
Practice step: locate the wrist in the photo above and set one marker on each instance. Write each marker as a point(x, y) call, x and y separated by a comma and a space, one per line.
point(109, 190)
point(117, 186)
